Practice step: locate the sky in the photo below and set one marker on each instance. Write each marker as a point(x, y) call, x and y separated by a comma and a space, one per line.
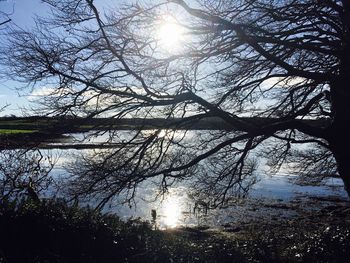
point(22, 13)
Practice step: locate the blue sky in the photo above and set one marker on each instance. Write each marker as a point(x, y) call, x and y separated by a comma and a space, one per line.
point(22, 13)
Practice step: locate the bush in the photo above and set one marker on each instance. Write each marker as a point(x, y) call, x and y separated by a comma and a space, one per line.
point(52, 231)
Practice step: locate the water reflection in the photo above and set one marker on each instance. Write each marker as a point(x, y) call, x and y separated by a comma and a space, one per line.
point(177, 209)
point(171, 211)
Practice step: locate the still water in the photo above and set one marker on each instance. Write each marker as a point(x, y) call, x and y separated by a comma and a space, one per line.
point(176, 208)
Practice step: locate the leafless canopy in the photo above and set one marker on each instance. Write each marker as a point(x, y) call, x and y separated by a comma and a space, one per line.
point(24, 173)
point(272, 70)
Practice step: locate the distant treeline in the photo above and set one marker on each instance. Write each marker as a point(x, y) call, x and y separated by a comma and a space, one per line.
point(76, 124)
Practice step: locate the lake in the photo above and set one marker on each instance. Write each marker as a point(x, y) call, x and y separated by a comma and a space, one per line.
point(273, 195)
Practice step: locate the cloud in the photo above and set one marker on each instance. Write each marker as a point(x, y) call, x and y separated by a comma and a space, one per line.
point(90, 97)
point(41, 92)
point(280, 82)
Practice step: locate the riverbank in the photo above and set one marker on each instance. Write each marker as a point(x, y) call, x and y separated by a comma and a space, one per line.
point(52, 231)
point(40, 131)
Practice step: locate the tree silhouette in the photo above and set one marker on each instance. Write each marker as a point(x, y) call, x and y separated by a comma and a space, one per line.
point(4, 18)
point(24, 173)
point(5, 21)
point(276, 72)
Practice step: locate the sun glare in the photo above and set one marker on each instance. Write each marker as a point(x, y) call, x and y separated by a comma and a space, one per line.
point(171, 212)
point(162, 133)
point(170, 34)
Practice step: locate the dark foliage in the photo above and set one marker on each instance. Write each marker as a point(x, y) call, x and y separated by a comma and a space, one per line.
point(52, 231)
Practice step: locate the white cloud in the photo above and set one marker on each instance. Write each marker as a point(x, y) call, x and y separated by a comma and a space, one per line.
point(280, 82)
point(47, 91)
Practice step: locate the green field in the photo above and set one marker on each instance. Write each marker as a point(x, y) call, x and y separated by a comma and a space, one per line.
point(12, 131)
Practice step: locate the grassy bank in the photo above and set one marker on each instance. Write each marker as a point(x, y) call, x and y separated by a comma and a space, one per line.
point(13, 131)
point(53, 231)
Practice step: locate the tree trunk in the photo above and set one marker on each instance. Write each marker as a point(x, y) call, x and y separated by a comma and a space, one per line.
point(338, 134)
point(339, 131)
point(342, 157)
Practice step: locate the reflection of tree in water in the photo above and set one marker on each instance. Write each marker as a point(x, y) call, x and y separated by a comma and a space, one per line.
point(162, 157)
point(24, 173)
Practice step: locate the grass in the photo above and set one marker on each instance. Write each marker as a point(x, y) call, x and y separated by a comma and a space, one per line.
point(12, 131)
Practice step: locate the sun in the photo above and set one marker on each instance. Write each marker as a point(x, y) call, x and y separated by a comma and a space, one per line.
point(170, 34)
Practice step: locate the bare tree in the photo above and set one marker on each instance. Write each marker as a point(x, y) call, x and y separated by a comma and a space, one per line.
point(275, 71)
point(24, 174)
point(7, 20)
point(4, 18)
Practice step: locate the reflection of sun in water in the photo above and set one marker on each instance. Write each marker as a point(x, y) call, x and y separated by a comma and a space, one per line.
point(170, 34)
point(162, 133)
point(171, 211)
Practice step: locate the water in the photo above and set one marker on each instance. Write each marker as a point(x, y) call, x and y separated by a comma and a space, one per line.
point(284, 186)
point(176, 208)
